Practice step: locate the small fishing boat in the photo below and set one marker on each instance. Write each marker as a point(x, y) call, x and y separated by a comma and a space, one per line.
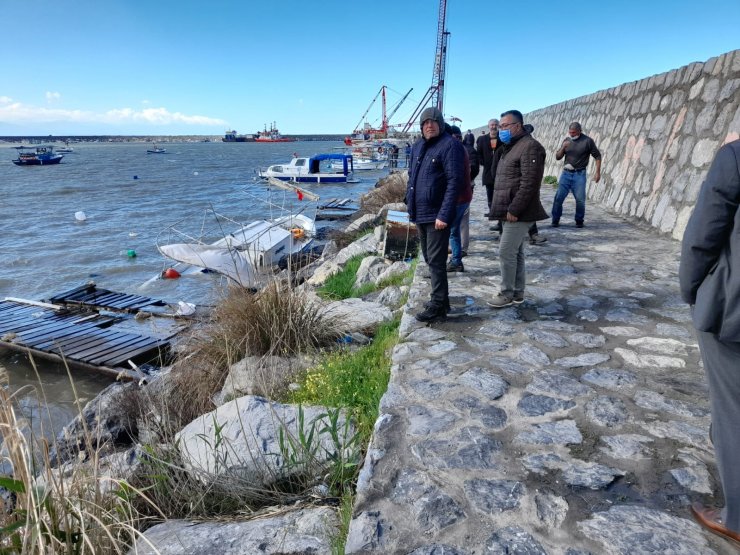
point(316, 169)
point(156, 150)
point(66, 149)
point(247, 253)
point(37, 156)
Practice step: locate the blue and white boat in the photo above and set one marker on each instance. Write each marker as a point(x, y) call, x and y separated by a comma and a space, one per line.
point(316, 169)
point(156, 150)
point(37, 156)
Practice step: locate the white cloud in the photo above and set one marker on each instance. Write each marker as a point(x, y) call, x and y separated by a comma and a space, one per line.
point(52, 96)
point(18, 113)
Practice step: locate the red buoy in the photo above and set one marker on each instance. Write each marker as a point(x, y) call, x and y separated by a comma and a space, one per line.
point(170, 273)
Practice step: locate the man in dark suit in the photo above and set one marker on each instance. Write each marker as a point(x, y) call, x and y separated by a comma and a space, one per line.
point(710, 282)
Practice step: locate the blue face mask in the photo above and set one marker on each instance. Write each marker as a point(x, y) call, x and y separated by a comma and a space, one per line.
point(505, 136)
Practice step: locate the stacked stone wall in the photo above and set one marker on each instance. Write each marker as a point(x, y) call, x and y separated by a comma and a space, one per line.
point(657, 136)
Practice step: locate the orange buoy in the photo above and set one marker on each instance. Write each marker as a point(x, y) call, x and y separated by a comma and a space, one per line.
point(170, 273)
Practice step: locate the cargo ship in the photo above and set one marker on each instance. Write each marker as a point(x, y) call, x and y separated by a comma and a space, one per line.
point(233, 137)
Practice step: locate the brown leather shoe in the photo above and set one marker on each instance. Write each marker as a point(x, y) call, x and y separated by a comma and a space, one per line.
point(710, 519)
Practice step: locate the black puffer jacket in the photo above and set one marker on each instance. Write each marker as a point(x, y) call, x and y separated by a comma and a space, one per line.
point(518, 180)
point(436, 177)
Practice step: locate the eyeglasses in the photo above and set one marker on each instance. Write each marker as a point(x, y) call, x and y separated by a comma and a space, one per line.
point(507, 125)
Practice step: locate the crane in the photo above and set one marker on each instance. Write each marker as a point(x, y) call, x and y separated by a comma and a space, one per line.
point(435, 94)
point(397, 106)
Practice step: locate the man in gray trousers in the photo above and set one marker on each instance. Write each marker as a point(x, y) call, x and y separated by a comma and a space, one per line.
point(710, 282)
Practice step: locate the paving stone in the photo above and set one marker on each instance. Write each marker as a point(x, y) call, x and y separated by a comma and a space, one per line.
point(626, 316)
point(463, 453)
point(588, 315)
point(546, 338)
point(438, 549)
point(555, 325)
point(557, 383)
point(589, 475)
point(510, 366)
point(652, 361)
point(581, 301)
point(430, 390)
point(627, 446)
point(437, 510)
point(513, 539)
point(492, 417)
point(607, 411)
point(486, 345)
point(621, 331)
point(550, 309)
point(680, 431)
point(493, 496)
point(540, 463)
point(562, 432)
point(587, 359)
point(609, 378)
point(673, 330)
point(426, 420)
point(530, 354)
point(655, 401)
point(633, 529)
point(537, 405)
point(588, 340)
point(497, 329)
point(551, 509)
point(485, 382)
point(659, 345)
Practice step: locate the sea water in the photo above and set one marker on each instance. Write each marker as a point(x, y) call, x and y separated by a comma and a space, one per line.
point(97, 216)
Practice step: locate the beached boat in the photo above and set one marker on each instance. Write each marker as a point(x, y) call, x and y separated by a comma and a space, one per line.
point(37, 156)
point(272, 135)
point(156, 150)
point(316, 169)
point(247, 253)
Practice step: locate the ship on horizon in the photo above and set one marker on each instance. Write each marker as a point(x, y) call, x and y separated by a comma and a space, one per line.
point(272, 135)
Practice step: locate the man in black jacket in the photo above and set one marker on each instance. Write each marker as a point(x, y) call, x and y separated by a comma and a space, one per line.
point(710, 281)
point(436, 176)
point(486, 145)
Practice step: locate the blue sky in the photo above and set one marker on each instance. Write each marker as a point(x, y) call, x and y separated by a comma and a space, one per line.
point(200, 67)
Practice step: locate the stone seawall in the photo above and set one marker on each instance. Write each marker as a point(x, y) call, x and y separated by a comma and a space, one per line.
point(657, 137)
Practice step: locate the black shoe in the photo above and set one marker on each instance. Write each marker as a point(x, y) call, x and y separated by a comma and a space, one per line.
point(579, 224)
point(463, 254)
point(537, 239)
point(486, 214)
point(431, 312)
point(555, 224)
point(455, 267)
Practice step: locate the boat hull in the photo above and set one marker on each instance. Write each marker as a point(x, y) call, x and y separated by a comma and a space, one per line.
point(311, 178)
point(38, 161)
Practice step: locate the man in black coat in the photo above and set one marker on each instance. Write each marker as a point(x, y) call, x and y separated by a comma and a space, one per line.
point(486, 145)
point(710, 281)
point(436, 176)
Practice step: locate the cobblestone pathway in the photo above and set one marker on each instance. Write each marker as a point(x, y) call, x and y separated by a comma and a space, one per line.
point(574, 423)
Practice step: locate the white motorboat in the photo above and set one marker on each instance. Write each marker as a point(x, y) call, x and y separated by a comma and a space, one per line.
point(246, 252)
point(316, 169)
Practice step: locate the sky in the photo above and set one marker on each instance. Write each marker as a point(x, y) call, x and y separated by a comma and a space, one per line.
point(188, 67)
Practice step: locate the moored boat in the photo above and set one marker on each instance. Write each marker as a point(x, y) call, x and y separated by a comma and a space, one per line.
point(272, 135)
point(37, 156)
point(316, 169)
point(156, 150)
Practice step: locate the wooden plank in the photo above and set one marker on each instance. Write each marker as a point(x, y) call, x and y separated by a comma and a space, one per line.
point(52, 324)
point(162, 348)
point(107, 343)
point(73, 344)
point(45, 340)
point(123, 352)
point(32, 330)
point(21, 323)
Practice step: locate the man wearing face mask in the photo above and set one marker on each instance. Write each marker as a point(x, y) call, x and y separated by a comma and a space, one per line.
point(516, 202)
point(436, 178)
point(576, 148)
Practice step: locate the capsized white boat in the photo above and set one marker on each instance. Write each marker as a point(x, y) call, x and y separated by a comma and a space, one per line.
point(241, 254)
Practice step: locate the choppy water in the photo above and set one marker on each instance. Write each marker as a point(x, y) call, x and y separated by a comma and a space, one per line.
point(44, 249)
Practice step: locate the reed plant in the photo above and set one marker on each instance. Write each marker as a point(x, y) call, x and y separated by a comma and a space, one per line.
point(77, 509)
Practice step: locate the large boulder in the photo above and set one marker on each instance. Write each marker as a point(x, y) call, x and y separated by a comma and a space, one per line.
point(291, 533)
point(267, 376)
point(103, 425)
point(356, 314)
point(241, 439)
point(370, 268)
point(367, 244)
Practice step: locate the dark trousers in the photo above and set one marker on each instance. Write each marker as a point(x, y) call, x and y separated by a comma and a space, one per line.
point(434, 245)
point(722, 367)
point(489, 195)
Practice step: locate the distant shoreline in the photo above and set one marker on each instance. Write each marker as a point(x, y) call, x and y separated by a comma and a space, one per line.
point(35, 139)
